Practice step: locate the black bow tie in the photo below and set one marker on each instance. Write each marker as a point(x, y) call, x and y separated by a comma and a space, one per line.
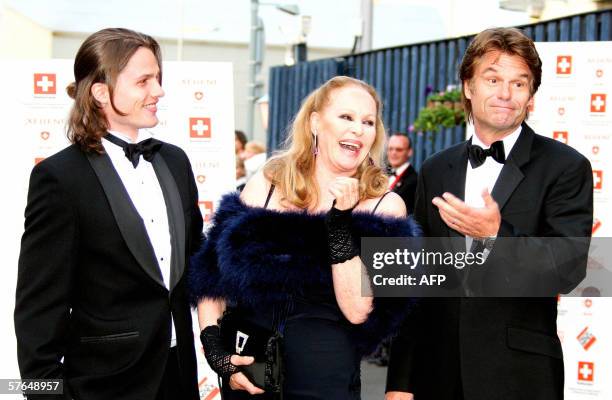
point(148, 148)
point(477, 155)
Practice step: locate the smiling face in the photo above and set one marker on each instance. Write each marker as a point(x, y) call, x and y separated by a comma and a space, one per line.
point(499, 93)
point(346, 129)
point(136, 93)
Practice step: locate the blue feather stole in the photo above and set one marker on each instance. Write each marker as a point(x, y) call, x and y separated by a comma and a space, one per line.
point(257, 257)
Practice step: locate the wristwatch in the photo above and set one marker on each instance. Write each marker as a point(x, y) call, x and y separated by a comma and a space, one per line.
point(488, 242)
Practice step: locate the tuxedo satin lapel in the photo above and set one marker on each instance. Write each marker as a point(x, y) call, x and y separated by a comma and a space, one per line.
point(129, 221)
point(511, 174)
point(176, 218)
point(509, 178)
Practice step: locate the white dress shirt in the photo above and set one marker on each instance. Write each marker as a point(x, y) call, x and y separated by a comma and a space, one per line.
point(485, 176)
point(398, 172)
point(146, 194)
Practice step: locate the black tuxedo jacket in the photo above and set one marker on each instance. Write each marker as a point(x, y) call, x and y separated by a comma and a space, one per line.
point(499, 348)
point(406, 187)
point(89, 288)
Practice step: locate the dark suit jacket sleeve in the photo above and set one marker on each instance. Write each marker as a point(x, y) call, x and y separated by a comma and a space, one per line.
point(400, 373)
point(567, 216)
point(196, 235)
point(46, 262)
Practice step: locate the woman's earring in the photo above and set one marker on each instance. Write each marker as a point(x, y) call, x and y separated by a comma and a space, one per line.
point(315, 149)
point(370, 160)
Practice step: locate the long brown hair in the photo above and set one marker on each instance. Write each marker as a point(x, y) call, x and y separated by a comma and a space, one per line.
point(507, 40)
point(293, 170)
point(100, 59)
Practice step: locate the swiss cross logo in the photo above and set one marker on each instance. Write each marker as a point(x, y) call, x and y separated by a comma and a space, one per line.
point(561, 110)
point(199, 128)
point(596, 226)
point(586, 338)
point(586, 371)
point(588, 303)
point(44, 84)
point(564, 65)
point(201, 178)
point(599, 73)
point(198, 95)
point(206, 208)
point(44, 135)
point(561, 136)
point(598, 103)
point(595, 149)
point(597, 179)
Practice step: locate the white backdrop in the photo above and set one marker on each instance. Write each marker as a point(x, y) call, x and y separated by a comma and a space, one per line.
point(570, 106)
point(197, 114)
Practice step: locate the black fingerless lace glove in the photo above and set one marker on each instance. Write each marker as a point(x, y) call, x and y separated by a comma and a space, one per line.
point(217, 357)
point(339, 237)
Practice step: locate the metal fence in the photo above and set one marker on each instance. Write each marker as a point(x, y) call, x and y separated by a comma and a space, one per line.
point(402, 74)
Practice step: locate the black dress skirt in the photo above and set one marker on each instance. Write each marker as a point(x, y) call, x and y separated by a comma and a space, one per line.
point(320, 357)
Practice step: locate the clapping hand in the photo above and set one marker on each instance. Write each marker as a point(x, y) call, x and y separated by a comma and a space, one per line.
point(476, 222)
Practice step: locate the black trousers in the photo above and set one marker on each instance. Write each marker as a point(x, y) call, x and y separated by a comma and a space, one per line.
point(171, 386)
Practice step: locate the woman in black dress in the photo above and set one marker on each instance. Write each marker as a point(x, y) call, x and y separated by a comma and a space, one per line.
point(291, 241)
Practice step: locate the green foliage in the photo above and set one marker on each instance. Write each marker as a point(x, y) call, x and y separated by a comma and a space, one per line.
point(452, 95)
point(438, 115)
point(435, 97)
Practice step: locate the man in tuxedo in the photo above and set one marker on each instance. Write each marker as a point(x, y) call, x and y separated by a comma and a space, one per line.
point(403, 176)
point(506, 182)
point(110, 222)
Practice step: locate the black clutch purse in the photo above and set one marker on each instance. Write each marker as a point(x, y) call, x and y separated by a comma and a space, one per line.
point(245, 338)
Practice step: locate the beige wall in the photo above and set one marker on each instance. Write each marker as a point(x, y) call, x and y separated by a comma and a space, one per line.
point(66, 45)
point(562, 8)
point(22, 38)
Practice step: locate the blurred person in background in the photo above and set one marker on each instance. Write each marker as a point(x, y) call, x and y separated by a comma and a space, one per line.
point(402, 175)
point(241, 178)
point(254, 157)
point(240, 140)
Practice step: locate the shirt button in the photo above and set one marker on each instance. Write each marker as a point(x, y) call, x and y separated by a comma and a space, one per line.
point(162, 258)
